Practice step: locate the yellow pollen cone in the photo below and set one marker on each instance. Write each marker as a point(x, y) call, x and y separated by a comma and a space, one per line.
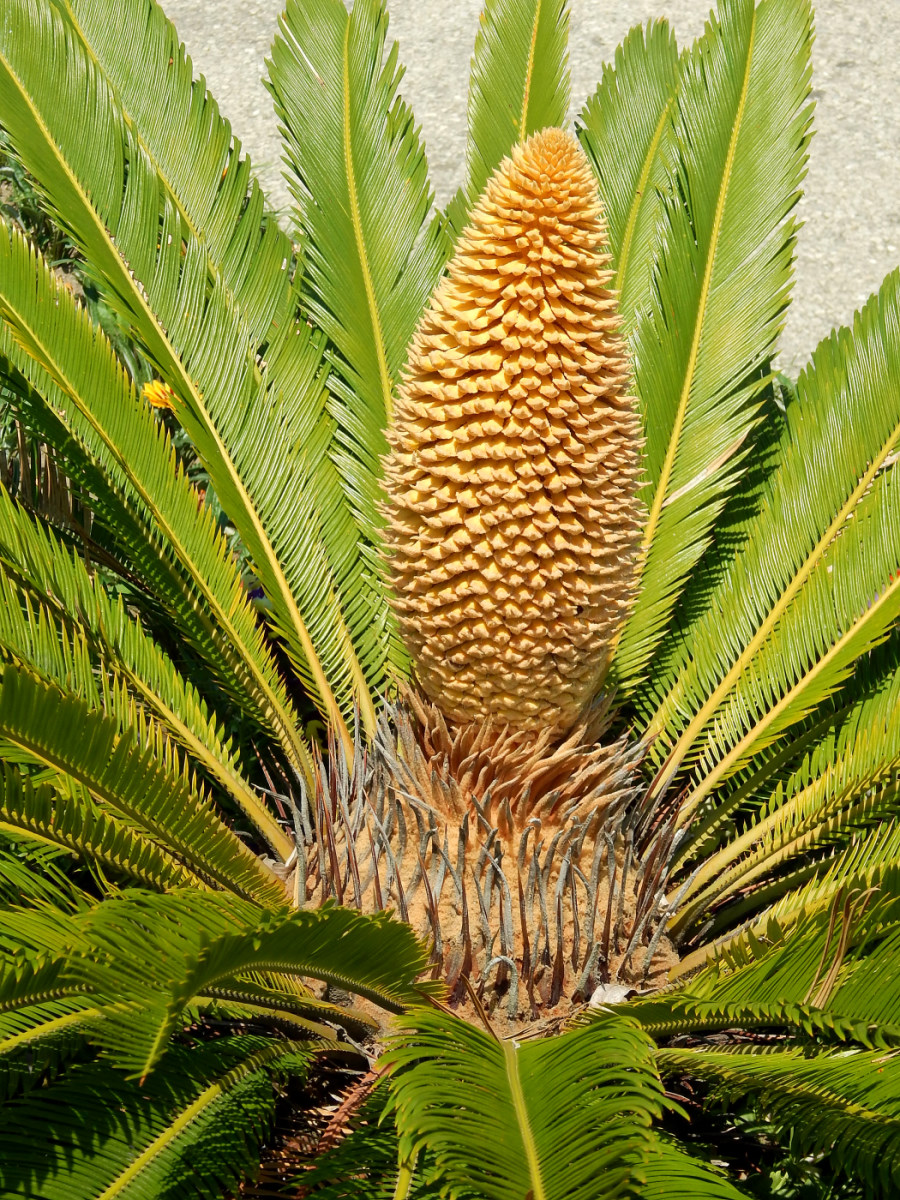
point(512, 515)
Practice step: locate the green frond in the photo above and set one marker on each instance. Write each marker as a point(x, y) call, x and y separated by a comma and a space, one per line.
point(742, 505)
point(44, 1017)
point(122, 534)
point(627, 131)
point(131, 781)
point(161, 952)
point(33, 872)
point(813, 531)
point(157, 273)
point(128, 973)
point(194, 1127)
point(364, 1163)
point(844, 1104)
point(776, 965)
point(277, 1022)
point(849, 604)
point(68, 819)
point(720, 287)
point(70, 362)
point(671, 1173)
point(72, 608)
point(29, 635)
point(828, 966)
point(560, 1119)
point(793, 762)
point(47, 1014)
point(37, 1041)
point(683, 1014)
point(179, 126)
point(358, 173)
point(871, 992)
point(844, 957)
point(849, 779)
point(518, 85)
point(192, 148)
point(871, 860)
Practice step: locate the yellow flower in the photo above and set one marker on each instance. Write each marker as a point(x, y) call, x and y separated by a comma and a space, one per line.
point(159, 394)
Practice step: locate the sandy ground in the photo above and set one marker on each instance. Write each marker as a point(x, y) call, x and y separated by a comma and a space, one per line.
point(851, 209)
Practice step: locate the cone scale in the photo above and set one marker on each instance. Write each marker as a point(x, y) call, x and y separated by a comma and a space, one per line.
point(512, 516)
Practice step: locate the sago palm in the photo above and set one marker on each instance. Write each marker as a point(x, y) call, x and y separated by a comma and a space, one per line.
point(450, 729)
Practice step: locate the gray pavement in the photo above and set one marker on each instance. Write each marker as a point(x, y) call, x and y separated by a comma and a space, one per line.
point(851, 209)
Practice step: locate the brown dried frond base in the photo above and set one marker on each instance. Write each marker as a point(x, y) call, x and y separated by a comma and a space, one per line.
point(528, 865)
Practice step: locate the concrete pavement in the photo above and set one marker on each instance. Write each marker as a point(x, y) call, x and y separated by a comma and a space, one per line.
point(851, 208)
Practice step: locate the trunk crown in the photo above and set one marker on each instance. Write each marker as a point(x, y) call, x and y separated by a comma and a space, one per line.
point(512, 515)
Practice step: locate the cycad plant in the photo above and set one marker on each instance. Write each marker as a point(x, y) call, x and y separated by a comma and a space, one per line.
point(450, 734)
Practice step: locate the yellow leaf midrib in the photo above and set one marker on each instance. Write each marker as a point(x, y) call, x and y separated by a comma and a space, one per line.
point(510, 1051)
point(529, 71)
point(638, 202)
point(15, 820)
point(738, 876)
